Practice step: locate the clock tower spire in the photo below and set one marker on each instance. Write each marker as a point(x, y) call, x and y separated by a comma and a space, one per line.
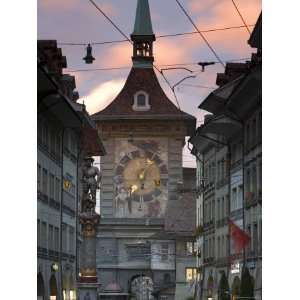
point(142, 36)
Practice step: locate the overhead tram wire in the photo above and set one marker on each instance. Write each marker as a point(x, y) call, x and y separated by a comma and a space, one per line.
point(111, 22)
point(243, 20)
point(158, 36)
point(201, 34)
point(162, 65)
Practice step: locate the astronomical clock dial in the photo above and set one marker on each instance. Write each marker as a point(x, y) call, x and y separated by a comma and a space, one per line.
point(143, 177)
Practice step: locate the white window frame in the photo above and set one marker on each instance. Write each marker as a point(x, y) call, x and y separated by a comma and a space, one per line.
point(137, 107)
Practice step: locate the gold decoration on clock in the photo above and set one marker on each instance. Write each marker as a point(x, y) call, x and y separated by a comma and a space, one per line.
point(141, 175)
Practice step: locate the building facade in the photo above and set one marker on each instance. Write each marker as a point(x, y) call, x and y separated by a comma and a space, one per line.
point(228, 149)
point(143, 133)
point(60, 123)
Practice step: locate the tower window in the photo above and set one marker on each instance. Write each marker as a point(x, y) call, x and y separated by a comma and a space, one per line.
point(141, 101)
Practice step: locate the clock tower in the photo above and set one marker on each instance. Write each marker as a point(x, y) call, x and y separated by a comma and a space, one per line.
point(143, 133)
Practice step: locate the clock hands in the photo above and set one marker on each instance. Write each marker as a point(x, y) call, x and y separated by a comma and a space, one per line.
point(141, 176)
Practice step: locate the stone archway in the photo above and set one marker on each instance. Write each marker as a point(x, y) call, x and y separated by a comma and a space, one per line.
point(235, 288)
point(53, 288)
point(40, 287)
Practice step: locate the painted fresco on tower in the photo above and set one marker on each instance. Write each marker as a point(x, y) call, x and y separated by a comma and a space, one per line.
point(141, 178)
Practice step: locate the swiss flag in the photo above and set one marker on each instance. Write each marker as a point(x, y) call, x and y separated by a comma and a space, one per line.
point(240, 238)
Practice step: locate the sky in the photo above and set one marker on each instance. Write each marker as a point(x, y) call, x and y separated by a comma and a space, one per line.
point(78, 21)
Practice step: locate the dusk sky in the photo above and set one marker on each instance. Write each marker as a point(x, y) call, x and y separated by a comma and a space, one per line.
point(78, 21)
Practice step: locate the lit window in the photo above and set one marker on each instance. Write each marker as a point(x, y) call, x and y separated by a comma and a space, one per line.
point(190, 274)
point(190, 247)
point(141, 101)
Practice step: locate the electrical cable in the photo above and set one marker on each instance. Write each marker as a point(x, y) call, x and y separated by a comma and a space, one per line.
point(201, 34)
point(111, 22)
point(237, 9)
point(158, 36)
point(162, 65)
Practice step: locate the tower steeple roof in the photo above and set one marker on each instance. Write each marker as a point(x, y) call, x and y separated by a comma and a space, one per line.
point(142, 25)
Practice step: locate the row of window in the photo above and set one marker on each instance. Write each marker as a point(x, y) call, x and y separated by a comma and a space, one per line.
point(222, 169)
point(213, 173)
point(253, 178)
point(253, 130)
point(209, 210)
point(236, 198)
point(222, 208)
point(222, 246)
point(49, 137)
point(236, 152)
point(209, 245)
point(255, 232)
point(48, 183)
point(48, 237)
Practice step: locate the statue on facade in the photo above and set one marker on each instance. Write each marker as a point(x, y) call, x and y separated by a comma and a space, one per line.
point(91, 178)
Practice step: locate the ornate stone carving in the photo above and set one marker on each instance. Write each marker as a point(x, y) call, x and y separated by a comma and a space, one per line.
point(91, 178)
point(89, 223)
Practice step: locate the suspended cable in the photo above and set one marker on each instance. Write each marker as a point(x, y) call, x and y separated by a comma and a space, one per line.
point(162, 65)
point(203, 37)
point(158, 36)
point(237, 9)
point(111, 22)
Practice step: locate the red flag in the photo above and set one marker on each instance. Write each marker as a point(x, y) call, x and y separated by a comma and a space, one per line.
point(240, 238)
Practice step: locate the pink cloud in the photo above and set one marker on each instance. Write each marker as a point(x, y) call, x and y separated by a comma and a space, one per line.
point(220, 14)
point(102, 95)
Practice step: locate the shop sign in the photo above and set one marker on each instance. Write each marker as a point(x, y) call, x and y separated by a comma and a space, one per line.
point(235, 268)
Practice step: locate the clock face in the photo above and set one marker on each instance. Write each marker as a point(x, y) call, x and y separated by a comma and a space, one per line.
point(141, 176)
point(141, 179)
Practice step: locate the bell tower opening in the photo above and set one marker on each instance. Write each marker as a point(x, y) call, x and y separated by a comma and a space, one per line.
point(142, 36)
